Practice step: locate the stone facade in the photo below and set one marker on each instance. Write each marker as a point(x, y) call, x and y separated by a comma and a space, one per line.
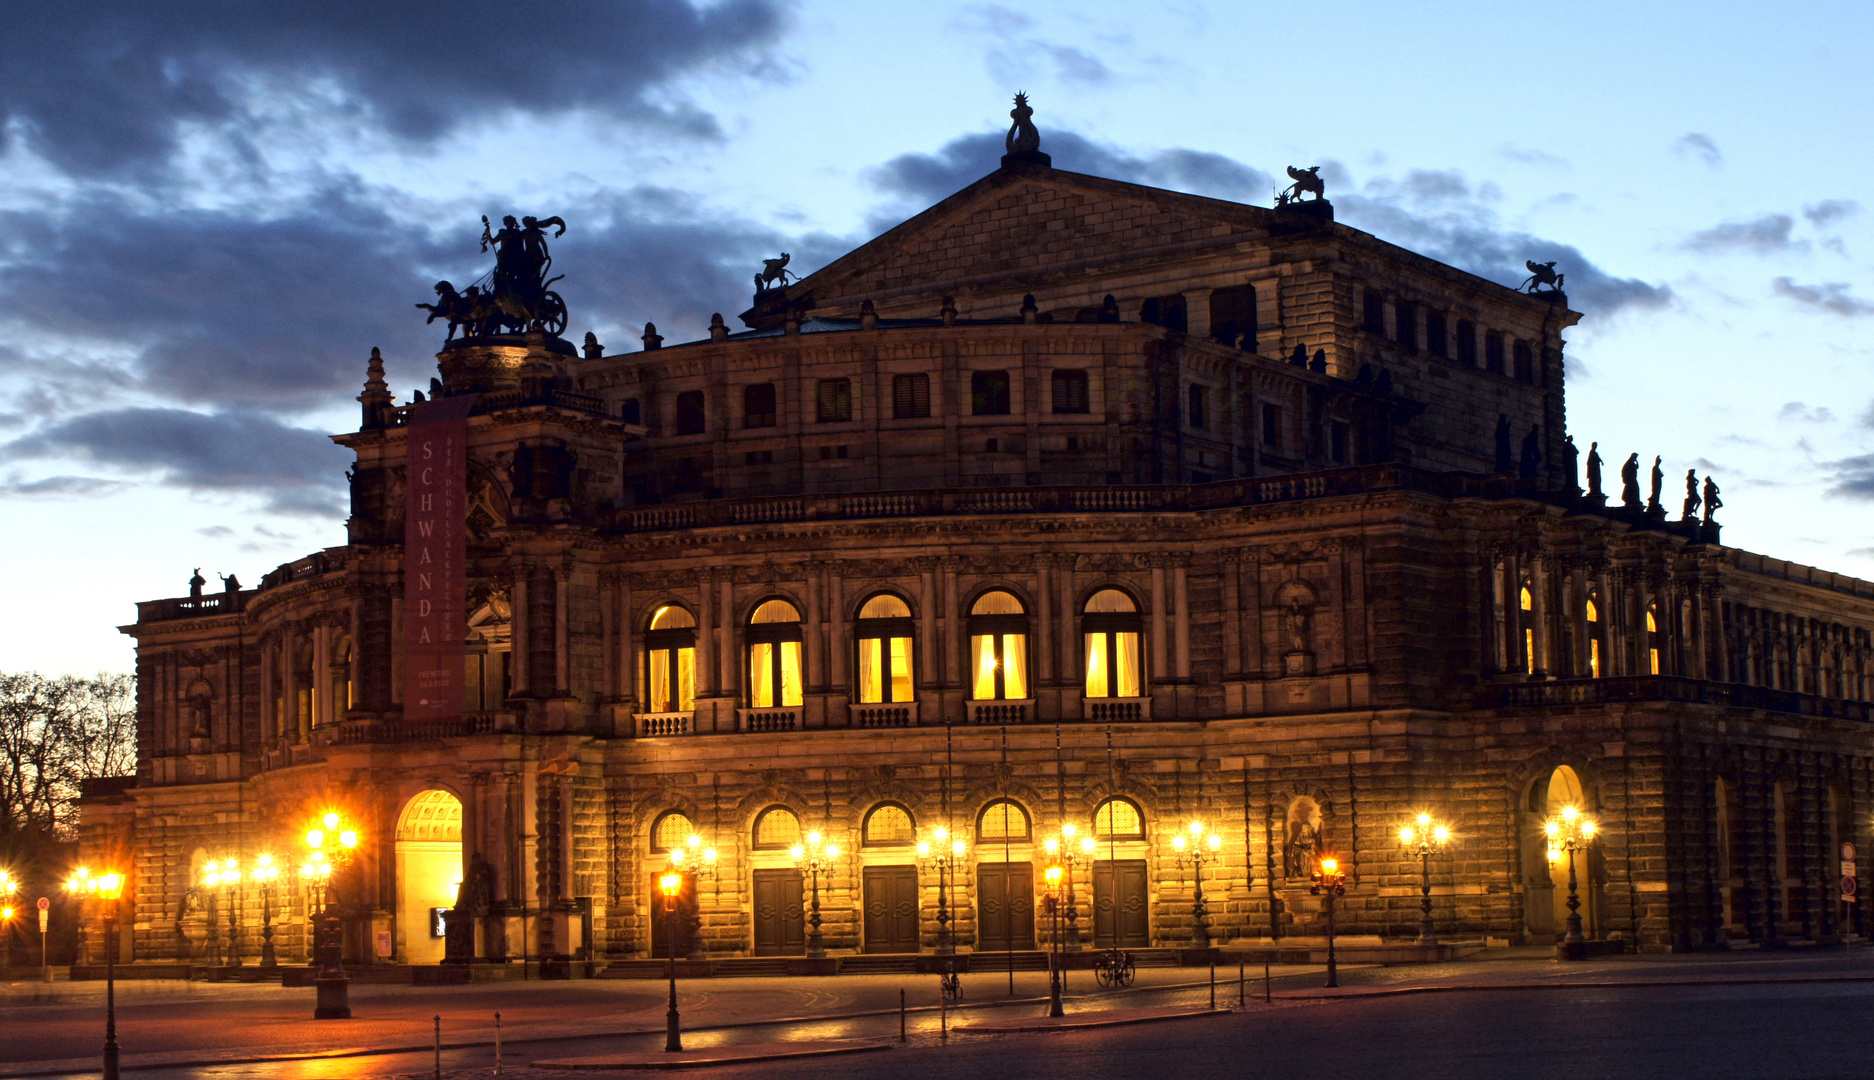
point(1273, 437)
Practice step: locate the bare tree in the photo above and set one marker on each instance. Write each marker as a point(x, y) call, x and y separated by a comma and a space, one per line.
point(55, 733)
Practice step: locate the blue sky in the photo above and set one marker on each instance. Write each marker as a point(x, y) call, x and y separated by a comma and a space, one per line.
point(212, 211)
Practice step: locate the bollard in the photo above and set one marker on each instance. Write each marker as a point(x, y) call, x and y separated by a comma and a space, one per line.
point(901, 1020)
point(1265, 982)
point(943, 1012)
point(1241, 987)
point(1213, 982)
point(439, 1048)
point(497, 1044)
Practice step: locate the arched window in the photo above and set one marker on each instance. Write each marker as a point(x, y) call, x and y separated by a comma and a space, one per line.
point(1652, 637)
point(1113, 630)
point(671, 831)
point(774, 656)
point(1003, 819)
point(999, 647)
point(884, 641)
point(888, 825)
point(776, 829)
point(1118, 819)
point(1529, 631)
point(670, 661)
point(1594, 637)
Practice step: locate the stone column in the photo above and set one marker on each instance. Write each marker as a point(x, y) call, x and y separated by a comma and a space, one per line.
point(626, 628)
point(928, 663)
point(396, 649)
point(1513, 614)
point(1045, 670)
point(813, 636)
point(608, 628)
point(1069, 656)
point(726, 656)
point(1160, 669)
point(269, 724)
point(355, 669)
point(1539, 584)
point(562, 661)
point(321, 675)
point(522, 681)
point(289, 675)
point(954, 640)
point(705, 637)
point(1181, 625)
point(840, 650)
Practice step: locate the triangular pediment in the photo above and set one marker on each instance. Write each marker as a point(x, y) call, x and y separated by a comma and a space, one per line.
point(1023, 229)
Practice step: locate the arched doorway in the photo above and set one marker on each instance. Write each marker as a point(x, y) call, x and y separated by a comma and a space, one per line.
point(429, 869)
point(1565, 790)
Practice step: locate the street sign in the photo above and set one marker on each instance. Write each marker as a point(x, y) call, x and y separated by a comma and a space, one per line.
point(44, 903)
point(1847, 888)
point(1847, 852)
point(1847, 869)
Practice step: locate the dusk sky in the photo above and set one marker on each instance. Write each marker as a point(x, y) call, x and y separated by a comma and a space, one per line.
point(211, 212)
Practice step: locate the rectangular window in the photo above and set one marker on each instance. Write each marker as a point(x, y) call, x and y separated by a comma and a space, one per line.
point(690, 412)
point(1272, 426)
point(833, 402)
point(1525, 367)
point(989, 393)
point(629, 411)
point(1337, 440)
point(1467, 343)
point(910, 396)
point(1373, 313)
point(758, 405)
point(1435, 335)
point(672, 691)
point(1233, 317)
point(1493, 352)
point(1406, 325)
point(1117, 674)
point(884, 663)
point(1197, 411)
point(1004, 655)
point(763, 693)
point(1070, 392)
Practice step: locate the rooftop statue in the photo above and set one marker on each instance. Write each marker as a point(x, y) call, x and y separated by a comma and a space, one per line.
point(1306, 180)
point(1022, 137)
point(774, 273)
point(1712, 502)
point(1541, 276)
point(1689, 511)
point(516, 296)
point(1594, 469)
point(1630, 483)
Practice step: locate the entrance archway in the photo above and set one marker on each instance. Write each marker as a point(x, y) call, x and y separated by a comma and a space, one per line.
point(429, 868)
point(1565, 789)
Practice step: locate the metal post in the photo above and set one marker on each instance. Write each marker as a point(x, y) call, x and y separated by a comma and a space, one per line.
point(1213, 982)
point(673, 1024)
point(1054, 958)
point(110, 992)
point(438, 1043)
point(267, 957)
point(497, 1044)
point(1073, 911)
point(901, 1016)
point(1265, 982)
point(1426, 934)
point(1333, 969)
point(946, 944)
point(1200, 933)
point(816, 943)
point(1242, 984)
point(1574, 902)
point(234, 926)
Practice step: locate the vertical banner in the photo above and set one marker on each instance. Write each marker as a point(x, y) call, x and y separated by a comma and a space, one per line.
point(434, 546)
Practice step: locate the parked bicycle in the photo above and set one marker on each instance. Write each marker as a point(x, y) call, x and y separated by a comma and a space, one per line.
point(1114, 967)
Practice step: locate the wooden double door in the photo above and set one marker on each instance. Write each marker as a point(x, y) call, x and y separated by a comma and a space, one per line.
point(1005, 906)
point(1121, 907)
point(891, 909)
point(780, 918)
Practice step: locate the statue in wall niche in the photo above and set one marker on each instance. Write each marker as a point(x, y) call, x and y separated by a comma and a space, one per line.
point(1658, 477)
point(1594, 469)
point(1712, 502)
point(1531, 461)
point(1504, 461)
point(1630, 482)
point(1300, 636)
point(1689, 512)
point(198, 718)
point(1304, 845)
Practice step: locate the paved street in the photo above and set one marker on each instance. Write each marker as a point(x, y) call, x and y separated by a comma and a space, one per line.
point(1753, 1015)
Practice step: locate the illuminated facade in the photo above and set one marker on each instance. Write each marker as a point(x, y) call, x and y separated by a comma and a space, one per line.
point(1066, 503)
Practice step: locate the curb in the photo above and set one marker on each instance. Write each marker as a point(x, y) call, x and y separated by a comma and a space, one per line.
point(1084, 1021)
point(1359, 993)
point(727, 1055)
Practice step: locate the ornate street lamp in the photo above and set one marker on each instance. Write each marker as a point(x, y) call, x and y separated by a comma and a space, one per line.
point(1329, 882)
point(1203, 846)
point(672, 885)
point(108, 888)
point(266, 873)
point(693, 858)
point(946, 855)
point(225, 875)
point(8, 912)
point(330, 846)
point(816, 856)
point(1570, 831)
point(1425, 839)
point(1052, 875)
point(1073, 852)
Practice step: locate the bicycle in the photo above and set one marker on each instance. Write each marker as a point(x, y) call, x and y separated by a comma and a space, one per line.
point(1114, 967)
point(950, 983)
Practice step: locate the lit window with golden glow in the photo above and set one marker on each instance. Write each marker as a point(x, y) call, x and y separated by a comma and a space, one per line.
point(774, 656)
point(776, 829)
point(670, 661)
point(1112, 630)
point(884, 642)
point(1118, 819)
point(998, 647)
point(1529, 632)
point(671, 832)
point(888, 825)
point(1594, 638)
point(1003, 819)
point(1652, 637)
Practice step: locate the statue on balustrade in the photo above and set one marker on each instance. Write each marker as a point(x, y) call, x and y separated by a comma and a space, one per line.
point(1630, 483)
point(1690, 511)
point(1653, 506)
point(1712, 502)
point(1594, 469)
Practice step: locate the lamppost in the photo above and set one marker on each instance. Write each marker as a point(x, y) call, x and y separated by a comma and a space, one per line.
point(946, 855)
point(816, 856)
point(672, 884)
point(1425, 839)
point(1053, 877)
point(1073, 852)
point(1204, 846)
point(1330, 883)
point(695, 859)
point(266, 873)
point(107, 887)
point(330, 846)
point(8, 912)
point(1570, 831)
point(225, 874)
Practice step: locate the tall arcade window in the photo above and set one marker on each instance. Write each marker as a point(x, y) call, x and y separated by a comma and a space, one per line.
point(1113, 631)
point(670, 661)
point(1652, 637)
point(774, 656)
point(989, 393)
point(888, 825)
point(1003, 819)
point(690, 412)
point(999, 647)
point(884, 639)
point(1529, 631)
point(1119, 819)
point(1594, 638)
point(910, 396)
point(672, 830)
point(758, 405)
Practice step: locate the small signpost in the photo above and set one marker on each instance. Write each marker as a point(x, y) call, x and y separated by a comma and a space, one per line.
point(1849, 888)
point(45, 913)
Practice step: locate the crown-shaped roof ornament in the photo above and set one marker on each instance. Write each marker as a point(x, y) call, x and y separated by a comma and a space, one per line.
point(1023, 142)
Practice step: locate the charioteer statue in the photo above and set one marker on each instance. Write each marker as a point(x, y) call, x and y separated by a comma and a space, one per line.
point(516, 297)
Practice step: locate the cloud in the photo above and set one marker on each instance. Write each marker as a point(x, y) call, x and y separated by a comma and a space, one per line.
point(923, 179)
point(1852, 477)
point(1832, 297)
point(297, 470)
point(1527, 156)
point(116, 85)
point(1808, 414)
point(59, 487)
point(1765, 235)
point(1699, 145)
point(1017, 63)
point(1829, 211)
